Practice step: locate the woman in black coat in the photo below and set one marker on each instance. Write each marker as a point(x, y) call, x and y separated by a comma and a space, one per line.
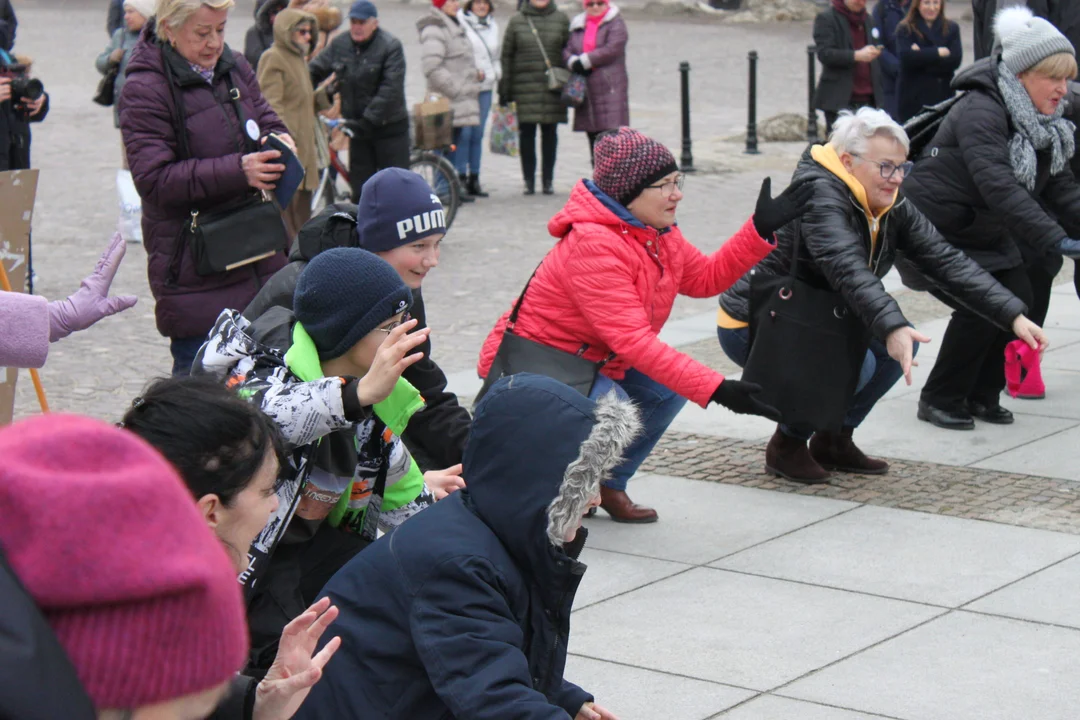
point(995, 181)
point(930, 51)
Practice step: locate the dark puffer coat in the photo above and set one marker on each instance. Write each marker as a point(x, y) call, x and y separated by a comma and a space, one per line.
point(925, 76)
point(372, 79)
point(836, 253)
point(524, 79)
point(260, 36)
point(964, 182)
point(187, 303)
point(607, 101)
point(435, 435)
point(464, 610)
point(887, 15)
point(1062, 14)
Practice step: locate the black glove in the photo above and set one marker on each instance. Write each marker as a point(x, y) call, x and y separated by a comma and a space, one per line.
point(577, 67)
point(738, 397)
point(771, 213)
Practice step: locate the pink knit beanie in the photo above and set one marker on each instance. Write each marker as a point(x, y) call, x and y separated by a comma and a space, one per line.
point(107, 540)
point(626, 162)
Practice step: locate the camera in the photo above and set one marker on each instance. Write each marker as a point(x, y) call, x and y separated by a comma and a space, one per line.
point(22, 85)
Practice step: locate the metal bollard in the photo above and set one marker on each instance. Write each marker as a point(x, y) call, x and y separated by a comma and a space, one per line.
point(687, 160)
point(811, 86)
point(751, 108)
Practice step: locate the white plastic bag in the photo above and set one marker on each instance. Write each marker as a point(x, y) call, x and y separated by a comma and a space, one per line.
point(130, 225)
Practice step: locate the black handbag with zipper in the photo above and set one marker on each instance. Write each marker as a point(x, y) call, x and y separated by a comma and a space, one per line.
point(106, 89)
point(806, 347)
point(238, 233)
point(517, 354)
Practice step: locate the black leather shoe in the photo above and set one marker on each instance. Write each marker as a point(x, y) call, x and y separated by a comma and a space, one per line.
point(944, 418)
point(549, 190)
point(990, 413)
point(530, 187)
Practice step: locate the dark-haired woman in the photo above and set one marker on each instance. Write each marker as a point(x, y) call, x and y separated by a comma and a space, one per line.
point(228, 454)
point(929, 48)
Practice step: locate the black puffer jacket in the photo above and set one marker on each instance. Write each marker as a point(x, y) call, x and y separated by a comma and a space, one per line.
point(436, 435)
point(836, 253)
point(965, 185)
point(372, 79)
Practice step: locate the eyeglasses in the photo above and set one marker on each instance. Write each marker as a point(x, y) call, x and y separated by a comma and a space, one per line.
point(889, 169)
point(669, 187)
point(394, 325)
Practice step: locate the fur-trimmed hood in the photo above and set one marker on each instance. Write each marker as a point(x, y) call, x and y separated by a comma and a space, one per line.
point(536, 456)
point(578, 23)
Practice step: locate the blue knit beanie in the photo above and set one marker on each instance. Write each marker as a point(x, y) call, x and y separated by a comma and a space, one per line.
point(345, 293)
point(397, 207)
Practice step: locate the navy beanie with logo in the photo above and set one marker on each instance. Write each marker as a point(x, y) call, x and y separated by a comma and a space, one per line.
point(397, 207)
point(345, 293)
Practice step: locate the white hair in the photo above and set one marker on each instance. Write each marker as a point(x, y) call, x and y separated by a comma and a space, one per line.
point(174, 13)
point(852, 132)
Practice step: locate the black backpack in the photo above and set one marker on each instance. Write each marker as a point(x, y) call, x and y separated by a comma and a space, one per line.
point(922, 128)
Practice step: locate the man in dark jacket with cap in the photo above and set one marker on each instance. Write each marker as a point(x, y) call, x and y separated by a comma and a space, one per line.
point(464, 611)
point(369, 65)
point(402, 221)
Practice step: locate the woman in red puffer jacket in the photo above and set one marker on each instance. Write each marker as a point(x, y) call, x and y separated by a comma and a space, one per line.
point(609, 284)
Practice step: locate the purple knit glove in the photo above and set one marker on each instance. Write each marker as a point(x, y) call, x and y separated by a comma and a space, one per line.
point(91, 301)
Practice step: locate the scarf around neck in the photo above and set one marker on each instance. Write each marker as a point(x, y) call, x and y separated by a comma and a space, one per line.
point(1034, 131)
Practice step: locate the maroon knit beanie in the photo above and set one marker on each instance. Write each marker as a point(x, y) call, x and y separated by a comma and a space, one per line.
point(108, 542)
point(627, 162)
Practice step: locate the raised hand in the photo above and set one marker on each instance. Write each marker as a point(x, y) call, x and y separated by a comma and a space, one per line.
point(91, 302)
point(390, 361)
point(771, 214)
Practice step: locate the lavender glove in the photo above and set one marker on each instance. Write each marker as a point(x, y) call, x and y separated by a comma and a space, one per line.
point(91, 302)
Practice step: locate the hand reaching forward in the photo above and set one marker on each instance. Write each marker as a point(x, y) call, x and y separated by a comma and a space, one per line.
point(592, 711)
point(390, 361)
point(91, 302)
point(444, 482)
point(294, 672)
point(1030, 333)
point(901, 347)
point(738, 397)
point(771, 213)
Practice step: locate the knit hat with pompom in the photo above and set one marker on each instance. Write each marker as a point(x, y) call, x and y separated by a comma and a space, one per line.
point(1027, 40)
point(627, 162)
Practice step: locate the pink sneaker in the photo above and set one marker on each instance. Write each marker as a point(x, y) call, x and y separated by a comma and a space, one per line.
point(1023, 379)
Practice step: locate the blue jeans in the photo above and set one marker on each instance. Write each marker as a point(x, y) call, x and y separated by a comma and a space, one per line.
point(471, 141)
point(658, 407)
point(183, 352)
point(879, 372)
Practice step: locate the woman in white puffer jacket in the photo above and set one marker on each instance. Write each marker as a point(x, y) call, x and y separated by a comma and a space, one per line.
point(483, 32)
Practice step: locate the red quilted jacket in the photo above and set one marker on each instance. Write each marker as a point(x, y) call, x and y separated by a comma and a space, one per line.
point(610, 283)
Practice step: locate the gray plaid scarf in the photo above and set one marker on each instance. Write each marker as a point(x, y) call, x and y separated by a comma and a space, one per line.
point(1034, 131)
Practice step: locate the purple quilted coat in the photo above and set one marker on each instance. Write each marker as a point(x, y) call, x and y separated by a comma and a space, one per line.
point(607, 102)
point(186, 303)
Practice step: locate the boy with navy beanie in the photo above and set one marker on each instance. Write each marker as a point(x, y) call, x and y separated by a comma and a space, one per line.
point(402, 221)
point(328, 372)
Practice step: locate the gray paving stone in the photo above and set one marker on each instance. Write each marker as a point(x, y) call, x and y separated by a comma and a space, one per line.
point(1048, 596)
point(771, 707)
point(610, 574)
point(701, 522)
point(746, 631)
point(636, 694)
point(1054, 456)
point(906, 555)
point(959, 667)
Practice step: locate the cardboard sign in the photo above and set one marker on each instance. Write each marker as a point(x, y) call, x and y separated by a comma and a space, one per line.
point(17, 191)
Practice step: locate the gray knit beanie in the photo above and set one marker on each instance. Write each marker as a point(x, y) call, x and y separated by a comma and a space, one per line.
point(1027, 40)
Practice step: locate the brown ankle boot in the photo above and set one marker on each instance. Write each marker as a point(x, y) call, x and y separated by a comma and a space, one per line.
point(787, 457)
point(837, 451)
point(622, 509)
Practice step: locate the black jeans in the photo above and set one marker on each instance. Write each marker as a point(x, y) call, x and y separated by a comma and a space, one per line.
point(1041, 272)
point(368, 156)
point(971, 362)
point(549, 141)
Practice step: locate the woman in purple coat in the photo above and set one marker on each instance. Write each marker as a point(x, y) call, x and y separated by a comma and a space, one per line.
point(597, 49)
point(189, 38)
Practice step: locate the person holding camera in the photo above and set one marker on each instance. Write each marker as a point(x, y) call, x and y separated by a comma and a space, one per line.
point(368, 65)
point(848, 46)
point(23, 100)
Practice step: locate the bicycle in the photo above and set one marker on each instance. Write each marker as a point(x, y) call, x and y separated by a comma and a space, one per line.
point(437, 171)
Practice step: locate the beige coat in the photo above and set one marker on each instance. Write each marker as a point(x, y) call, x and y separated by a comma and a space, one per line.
point(449, 66)
point(286, 85)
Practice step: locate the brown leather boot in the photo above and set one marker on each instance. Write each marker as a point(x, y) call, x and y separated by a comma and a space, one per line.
point(622, 509)
point(837, 451)
point(787, 457)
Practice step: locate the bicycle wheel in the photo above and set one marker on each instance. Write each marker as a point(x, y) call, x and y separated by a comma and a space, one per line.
point(442, 177)
point(324, 194)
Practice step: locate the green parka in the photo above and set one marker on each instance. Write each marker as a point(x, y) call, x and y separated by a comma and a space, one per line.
point(524, 80)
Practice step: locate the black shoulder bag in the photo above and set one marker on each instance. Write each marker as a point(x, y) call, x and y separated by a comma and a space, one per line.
point(806, 347)
point(517, 354)
point(238, 233)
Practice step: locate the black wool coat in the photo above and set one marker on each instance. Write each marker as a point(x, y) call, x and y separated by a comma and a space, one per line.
point(925, 76)
point(836, 51)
